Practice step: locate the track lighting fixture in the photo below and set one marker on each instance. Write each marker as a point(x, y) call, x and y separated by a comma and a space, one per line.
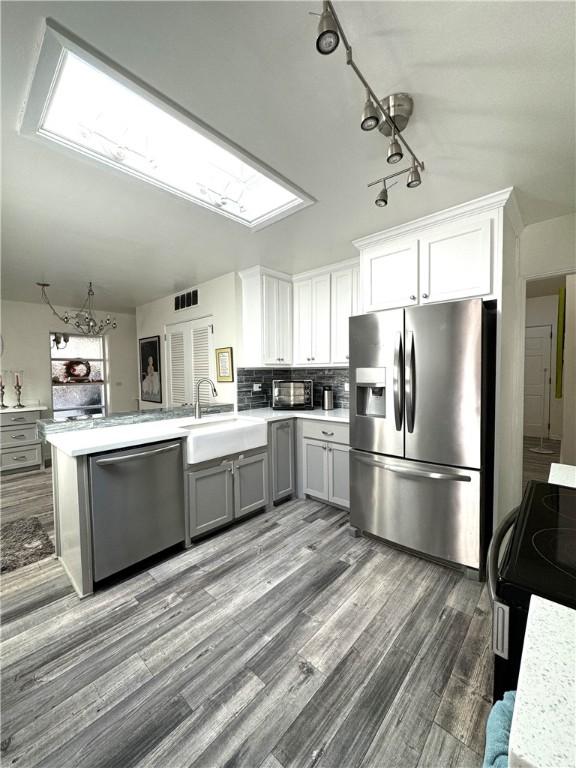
point(390, 115)
point(414, 179)
point(382, 199)
point(394, 154)
point(370, 116)
point(328, 37)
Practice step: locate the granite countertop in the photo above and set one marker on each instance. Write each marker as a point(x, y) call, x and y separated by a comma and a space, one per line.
point(76, 442)
point(544, 720)
point(563, 474)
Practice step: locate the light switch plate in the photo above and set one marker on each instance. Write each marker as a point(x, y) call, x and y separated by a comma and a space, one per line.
point(346, 387)
point(256, 387)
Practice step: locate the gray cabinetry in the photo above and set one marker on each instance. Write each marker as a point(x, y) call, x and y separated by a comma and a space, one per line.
point(250, 484)
point(225, 490)
point(210, 497)
point(20, 447)
point(315, 468)
point(326, 471)
point(282, 459)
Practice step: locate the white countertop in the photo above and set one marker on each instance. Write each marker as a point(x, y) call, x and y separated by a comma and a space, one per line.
point(12, 409)
point(544, 721)
point(563, 474)
point(97, 439)
point(317, 414)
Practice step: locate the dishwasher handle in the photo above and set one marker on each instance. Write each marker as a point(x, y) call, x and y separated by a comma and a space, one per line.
point(133, 456)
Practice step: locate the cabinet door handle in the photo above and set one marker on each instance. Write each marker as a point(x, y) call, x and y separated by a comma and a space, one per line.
point(328, 434)
point(424, 295)
point(347, 357)
point(412, 297)
point(324, 446)
point(312, 358)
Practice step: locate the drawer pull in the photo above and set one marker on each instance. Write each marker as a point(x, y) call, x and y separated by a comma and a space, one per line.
point(18, 437)
point(19, 458)
point(328, 434)
point(18, 418)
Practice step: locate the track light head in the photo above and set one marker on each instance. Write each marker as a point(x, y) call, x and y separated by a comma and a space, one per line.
point(328, 38)
point(370, 116)
point(394, 154)
point(414, 179)
point(382, 199)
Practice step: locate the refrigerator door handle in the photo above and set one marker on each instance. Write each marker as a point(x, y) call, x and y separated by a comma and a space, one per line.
point(398, 381)
point(410, 382)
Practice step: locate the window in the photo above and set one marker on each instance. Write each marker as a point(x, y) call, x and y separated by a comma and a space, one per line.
point(189, 349)
point(85, 104)
point(78, 375)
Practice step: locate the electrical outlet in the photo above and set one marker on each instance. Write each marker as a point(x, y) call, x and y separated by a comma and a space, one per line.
point(256, 387)
point(346, 387)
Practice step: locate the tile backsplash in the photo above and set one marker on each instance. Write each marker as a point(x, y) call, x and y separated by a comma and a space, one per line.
point(247, 398)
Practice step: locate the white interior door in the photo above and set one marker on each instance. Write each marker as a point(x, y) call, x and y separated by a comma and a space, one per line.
point(537, 380)
point(189, 357)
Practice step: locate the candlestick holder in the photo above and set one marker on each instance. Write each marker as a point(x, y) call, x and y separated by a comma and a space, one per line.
point(2, 388)
point(18, 388)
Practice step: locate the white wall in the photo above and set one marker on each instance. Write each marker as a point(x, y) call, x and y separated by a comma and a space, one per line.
point(216, 298)
point(543, 310)
point(25, 332)
point(568, 446)
point(549, 247)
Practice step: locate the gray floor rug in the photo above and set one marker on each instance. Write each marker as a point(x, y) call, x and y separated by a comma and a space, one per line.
point(23, 542)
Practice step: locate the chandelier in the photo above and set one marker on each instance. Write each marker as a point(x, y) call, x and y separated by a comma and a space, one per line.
point(82, 319)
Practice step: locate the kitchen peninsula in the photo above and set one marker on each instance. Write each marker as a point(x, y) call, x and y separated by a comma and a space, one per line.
point(128, 491)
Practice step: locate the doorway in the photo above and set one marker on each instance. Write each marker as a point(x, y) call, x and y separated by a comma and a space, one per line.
point(543, 401)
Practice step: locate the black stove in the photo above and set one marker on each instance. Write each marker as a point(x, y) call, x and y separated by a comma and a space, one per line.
point(541, 555)
point(540, 559)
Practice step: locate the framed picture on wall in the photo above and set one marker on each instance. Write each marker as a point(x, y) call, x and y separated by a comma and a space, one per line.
point(150, 372)
point(224, 364)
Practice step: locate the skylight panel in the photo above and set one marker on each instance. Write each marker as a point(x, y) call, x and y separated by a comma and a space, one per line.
point(79, 101)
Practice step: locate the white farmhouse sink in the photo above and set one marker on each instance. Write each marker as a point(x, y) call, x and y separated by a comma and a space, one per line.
point(210, 440)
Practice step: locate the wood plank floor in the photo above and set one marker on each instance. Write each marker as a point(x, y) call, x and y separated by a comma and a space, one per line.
point(280, 642)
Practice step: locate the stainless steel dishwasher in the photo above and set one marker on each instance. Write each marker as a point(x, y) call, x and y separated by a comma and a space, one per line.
point(137, 504)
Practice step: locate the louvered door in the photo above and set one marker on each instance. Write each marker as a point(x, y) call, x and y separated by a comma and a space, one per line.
point(189, 358)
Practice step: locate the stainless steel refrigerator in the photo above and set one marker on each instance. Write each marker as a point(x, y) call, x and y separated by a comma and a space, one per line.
point(421, 428)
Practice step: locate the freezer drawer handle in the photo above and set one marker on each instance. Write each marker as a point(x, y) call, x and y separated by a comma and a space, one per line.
point(416, 473)
point(398, 382)
point(131, 456)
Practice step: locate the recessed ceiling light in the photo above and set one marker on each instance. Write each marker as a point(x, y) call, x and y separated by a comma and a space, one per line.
point(87, 104)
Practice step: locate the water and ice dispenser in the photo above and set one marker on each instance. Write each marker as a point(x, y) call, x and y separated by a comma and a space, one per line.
point(371, 392)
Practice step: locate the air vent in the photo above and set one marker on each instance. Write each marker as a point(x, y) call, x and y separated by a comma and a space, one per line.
point(185, 300)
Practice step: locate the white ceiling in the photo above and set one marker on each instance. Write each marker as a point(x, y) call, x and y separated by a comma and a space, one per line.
point(494, 91)
point(547, 287)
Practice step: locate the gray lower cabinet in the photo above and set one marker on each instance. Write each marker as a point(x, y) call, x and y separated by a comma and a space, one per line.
point(282, 459)
point(250, 484)
point(225, 490)
point(326, 471)
point(211, 497)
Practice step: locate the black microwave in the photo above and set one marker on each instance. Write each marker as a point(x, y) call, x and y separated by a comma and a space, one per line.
point(288, 395)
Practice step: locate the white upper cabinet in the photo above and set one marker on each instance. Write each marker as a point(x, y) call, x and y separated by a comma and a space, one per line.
point(456, 260)
point(312, 320)
point(266, 318)
point(389, 275)
point(344, 305)
point(444, 257)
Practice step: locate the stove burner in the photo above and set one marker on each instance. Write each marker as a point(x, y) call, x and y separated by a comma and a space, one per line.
point(563, 503)
point(558, 547)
